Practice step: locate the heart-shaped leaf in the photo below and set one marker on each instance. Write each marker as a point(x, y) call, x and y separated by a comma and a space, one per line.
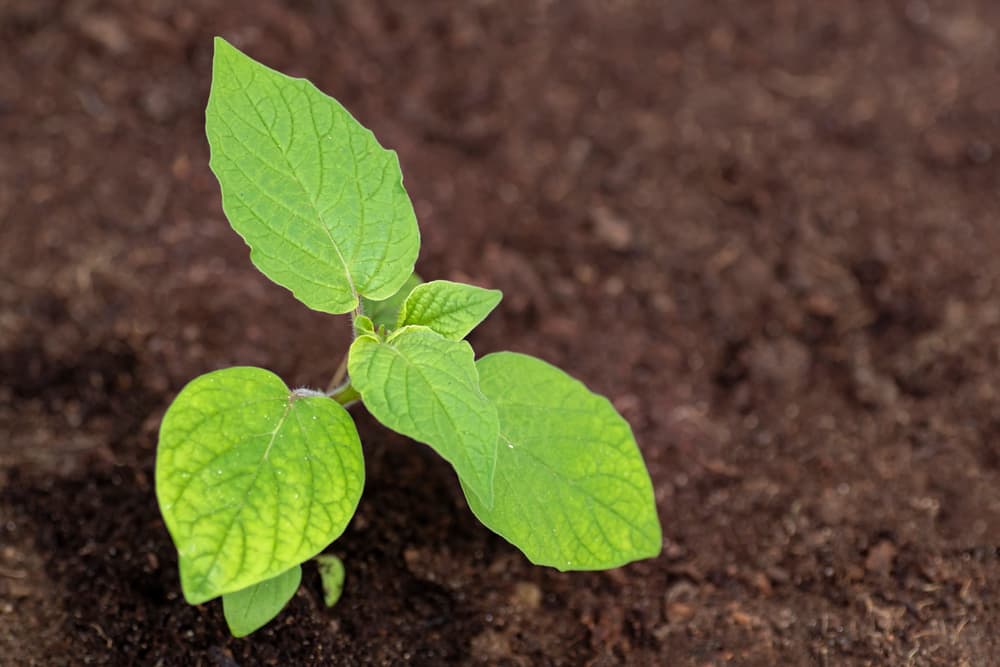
point(253, 479)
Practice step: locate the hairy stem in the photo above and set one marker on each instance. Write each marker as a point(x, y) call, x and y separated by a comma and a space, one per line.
point(338, 376)
point(345, 394)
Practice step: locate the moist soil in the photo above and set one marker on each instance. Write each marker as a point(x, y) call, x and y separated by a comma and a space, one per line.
point(767, 231)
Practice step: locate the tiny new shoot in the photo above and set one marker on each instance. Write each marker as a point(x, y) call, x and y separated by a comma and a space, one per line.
point(254, 479)
point(331, 574)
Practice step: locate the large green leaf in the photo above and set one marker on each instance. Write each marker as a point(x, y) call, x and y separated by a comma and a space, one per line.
point(425, 386)
point(384, 313)
point(253, 479)
point(253, 607)
point(451, 309)
point(320, 203)
point(571, 489)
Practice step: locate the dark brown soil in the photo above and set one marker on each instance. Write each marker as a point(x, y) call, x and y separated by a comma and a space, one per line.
point(767, 230)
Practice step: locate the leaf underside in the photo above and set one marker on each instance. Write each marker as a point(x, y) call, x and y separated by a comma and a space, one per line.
point(571, 489)
point(252, 479)
point(251, 608)
point(320, 203)
point(449, 308)
point(425, 386)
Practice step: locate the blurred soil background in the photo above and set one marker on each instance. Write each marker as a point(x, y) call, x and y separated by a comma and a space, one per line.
point(769, 231)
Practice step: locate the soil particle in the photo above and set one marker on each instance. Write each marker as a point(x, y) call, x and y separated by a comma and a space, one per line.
point(880, 557)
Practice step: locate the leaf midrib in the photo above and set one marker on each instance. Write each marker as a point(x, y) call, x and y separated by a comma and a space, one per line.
point(444, 313)
point(491, 470)
point(243, 503)
point(295, 176)
point(577, 485)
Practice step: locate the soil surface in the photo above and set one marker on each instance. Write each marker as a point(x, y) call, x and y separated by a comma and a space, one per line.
point(767, 230)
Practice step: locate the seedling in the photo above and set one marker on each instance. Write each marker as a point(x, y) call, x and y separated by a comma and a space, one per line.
point(254, 478)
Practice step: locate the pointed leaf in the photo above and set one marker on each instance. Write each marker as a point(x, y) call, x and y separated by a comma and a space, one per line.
point(253, 479)
point(384, 313)
point(571, 489)
point(451, 309)
point(331, 576)
point(253, 607)
point(320, 203)
point(426, 387)
point(363, 325)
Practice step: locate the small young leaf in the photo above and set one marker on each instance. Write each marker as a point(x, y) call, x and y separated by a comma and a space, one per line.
point(451, 309)
point(571, 488)
point(320, 203)
point(253, 479)
point(426, 387)
point(363, 325)
point(251, 608)
point(331, 575)
point(384, 313)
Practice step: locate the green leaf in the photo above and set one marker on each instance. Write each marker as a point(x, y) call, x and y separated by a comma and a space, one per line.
point(384, 313)
point(451, 309)
point(363, 325)
point(331, 575)
point(253, 479)
point(426, 387)
point(571, 489)
point(251, 608)
point(320, 203)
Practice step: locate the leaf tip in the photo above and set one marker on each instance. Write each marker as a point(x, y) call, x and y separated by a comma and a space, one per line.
point(222, 48)
point(193, 595)
point(223, 45)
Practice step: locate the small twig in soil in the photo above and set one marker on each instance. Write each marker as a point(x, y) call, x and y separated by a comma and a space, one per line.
point(100, 631)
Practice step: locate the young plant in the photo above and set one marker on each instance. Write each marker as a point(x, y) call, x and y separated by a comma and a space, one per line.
point(254, 478)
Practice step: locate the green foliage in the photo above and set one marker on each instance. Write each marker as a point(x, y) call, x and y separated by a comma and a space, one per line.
point(420, 384)
point(331, 574)
point(254, 479)
point(571, 488)
point(253, 607)
point(320, 203)
point(451, 309)
point(384, 313)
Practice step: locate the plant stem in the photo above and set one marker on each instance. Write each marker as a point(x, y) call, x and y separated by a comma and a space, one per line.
point(338, 376)
point(340, 388)
point(345, 395)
